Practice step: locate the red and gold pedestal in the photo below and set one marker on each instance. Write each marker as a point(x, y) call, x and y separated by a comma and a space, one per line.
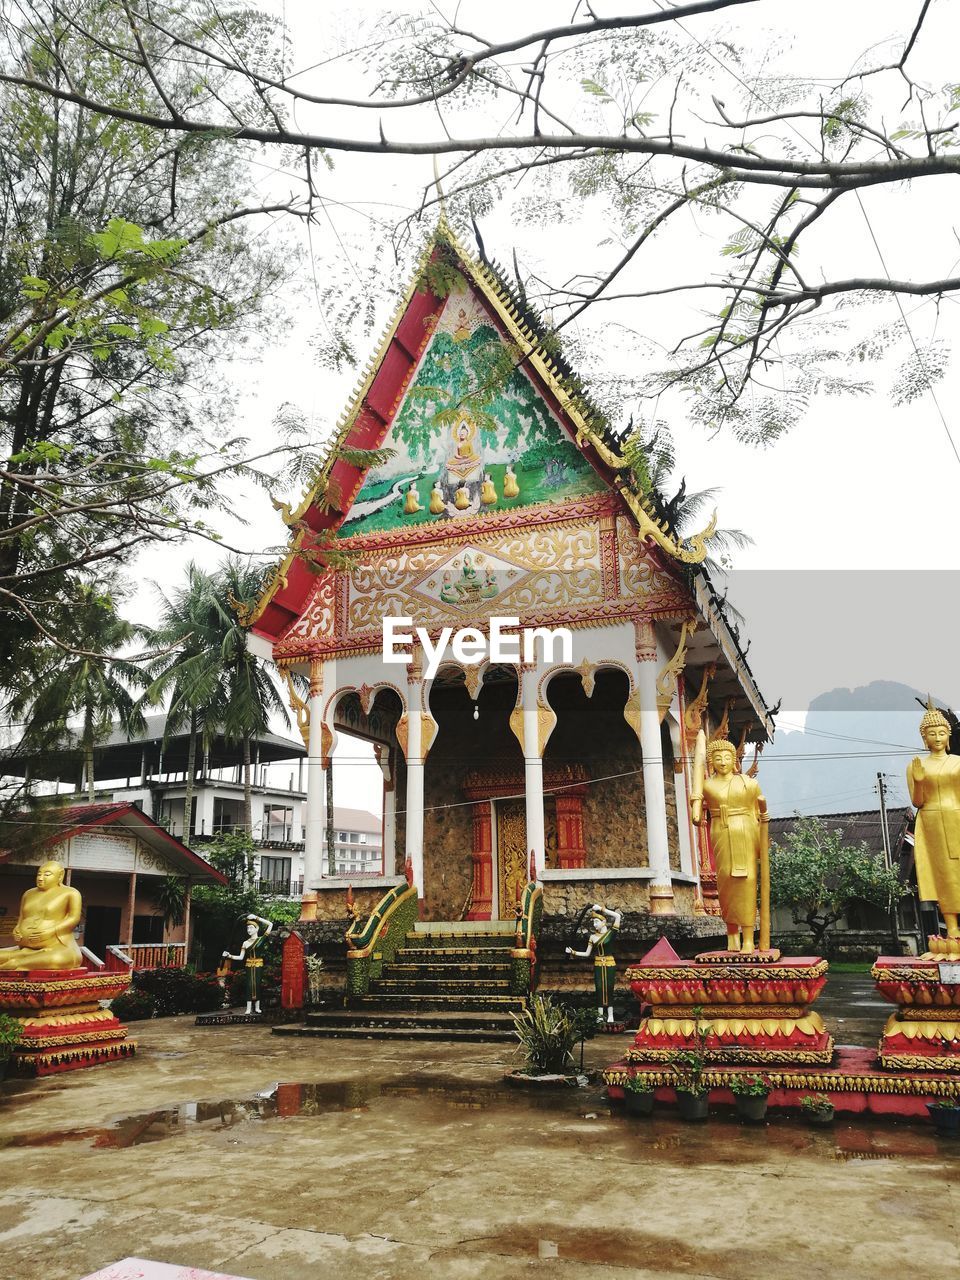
point(754, 1009)
point(924, 1033)
point(64, 1027)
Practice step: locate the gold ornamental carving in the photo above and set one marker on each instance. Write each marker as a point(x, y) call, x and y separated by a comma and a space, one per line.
point(402, 725)
point(696, 710)
point(645, 639)
point(473, 680)
point(686, 550)
point(546, 723)
point(511, 854)
point(326, 745)
point(631, 712)
point(516, 725)
point(588, 671)
point(297, 706)
point(428, 732)
point(671, 672)
point(316, 677)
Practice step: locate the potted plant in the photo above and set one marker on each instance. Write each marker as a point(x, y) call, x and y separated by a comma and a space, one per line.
point(690, 1067)
point(10, 1032)
point(945, 1114)
point(547, 1033)
point(817, 1109)
point(638, 1095)
point(750, 1094)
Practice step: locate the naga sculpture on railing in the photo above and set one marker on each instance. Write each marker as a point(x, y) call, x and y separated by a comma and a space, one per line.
point(375, 942)
point(523, 956)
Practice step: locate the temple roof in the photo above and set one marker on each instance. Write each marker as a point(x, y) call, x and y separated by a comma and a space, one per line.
point(400, 391)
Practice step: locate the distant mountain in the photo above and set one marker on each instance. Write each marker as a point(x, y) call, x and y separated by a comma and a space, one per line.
point(849, 737)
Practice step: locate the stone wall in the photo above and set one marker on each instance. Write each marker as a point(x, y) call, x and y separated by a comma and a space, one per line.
point(593, 732)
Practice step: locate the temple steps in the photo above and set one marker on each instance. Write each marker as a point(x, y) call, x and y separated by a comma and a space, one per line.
point(447, 982)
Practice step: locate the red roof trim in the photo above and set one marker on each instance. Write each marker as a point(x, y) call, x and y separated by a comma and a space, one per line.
point(106, 814)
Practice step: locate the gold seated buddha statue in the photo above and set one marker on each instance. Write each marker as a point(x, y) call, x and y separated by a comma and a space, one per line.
point(44, 929)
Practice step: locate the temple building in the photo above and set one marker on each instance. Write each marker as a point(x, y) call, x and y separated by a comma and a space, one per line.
point(503, 496)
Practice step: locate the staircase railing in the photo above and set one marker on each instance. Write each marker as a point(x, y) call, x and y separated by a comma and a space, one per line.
point(524, 973)
point(373, 944)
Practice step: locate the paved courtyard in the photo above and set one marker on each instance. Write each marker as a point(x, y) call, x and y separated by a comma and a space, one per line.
point(237, 1151)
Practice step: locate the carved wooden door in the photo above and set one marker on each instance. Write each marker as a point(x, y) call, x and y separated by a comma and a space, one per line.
point(511, 853)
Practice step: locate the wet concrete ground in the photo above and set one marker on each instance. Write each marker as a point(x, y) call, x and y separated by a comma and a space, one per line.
point(238, 1151)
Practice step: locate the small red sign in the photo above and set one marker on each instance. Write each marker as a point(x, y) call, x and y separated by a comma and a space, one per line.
point(292, 973)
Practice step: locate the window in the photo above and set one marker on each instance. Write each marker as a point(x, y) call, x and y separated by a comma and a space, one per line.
point(341, 835)
point(275, 875)
point(354, 837)
point(363, 837)
point(277, 822)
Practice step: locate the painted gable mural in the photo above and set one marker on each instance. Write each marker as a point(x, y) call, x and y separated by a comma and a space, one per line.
point(471, 436)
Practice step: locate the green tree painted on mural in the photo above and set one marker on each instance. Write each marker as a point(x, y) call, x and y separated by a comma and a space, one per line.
point(477, 376)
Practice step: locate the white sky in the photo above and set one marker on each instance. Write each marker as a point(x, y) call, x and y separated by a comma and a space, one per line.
point(860, 486)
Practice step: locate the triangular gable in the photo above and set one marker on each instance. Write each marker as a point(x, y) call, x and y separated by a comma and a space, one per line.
point(419, 396)
point(474, 432)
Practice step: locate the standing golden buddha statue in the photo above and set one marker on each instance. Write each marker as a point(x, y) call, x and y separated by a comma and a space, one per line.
point(737, 813)
point(934, 783)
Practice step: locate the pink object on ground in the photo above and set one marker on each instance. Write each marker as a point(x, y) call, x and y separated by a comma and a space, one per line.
point(143, 1269)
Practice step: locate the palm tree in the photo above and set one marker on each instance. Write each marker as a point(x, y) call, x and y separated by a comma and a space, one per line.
point(87, 680)
point(251, 695)
point(189, 669)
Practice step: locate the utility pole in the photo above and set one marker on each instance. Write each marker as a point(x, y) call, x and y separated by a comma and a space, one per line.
point(884, 826)
point(887, 855)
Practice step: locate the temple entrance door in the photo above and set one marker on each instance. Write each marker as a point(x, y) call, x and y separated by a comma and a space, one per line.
point(511, 854)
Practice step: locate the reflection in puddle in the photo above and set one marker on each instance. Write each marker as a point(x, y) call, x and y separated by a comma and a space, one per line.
point(662, 1138)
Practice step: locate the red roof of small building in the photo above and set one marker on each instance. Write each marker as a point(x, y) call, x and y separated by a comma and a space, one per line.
point(74, 819)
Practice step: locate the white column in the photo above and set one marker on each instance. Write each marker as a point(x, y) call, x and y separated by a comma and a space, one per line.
point(389, 837)
point(314, 822)
point(688, 862)
point(532, 767)
point(205, 810)
point(654, 792)
point(414, 806)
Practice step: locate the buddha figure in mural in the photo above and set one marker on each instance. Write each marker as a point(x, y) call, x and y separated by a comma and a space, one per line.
point(737, 813)
point(44, 929)
point(510, 487)
point(437, 504)
point(411, 504)
point(488, 492)
point(934, 783)
point(461, 499)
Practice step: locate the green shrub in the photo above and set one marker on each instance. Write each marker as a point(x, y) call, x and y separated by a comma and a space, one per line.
point(547, 1034)
point(749, 1087)
point(10, 1032)
point(179, 991)
point(132, 1006)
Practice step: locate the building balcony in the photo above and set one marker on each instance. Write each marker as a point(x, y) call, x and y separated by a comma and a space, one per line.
point(283, 888)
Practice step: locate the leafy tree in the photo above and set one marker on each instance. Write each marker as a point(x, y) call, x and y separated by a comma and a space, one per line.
point(818, 877)
point(655, 115)
point(250, 697)
point(218, 910)
point(127, 274)
point(91, 682)
point(189, 670)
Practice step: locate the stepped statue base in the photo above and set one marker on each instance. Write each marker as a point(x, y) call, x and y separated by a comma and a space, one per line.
point(924, 1033)
point(754, 1007)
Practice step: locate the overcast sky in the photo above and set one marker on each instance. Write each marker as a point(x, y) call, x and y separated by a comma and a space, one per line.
point(860, 489)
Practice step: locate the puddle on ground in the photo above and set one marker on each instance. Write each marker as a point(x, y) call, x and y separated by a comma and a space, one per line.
point(662, 1137)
